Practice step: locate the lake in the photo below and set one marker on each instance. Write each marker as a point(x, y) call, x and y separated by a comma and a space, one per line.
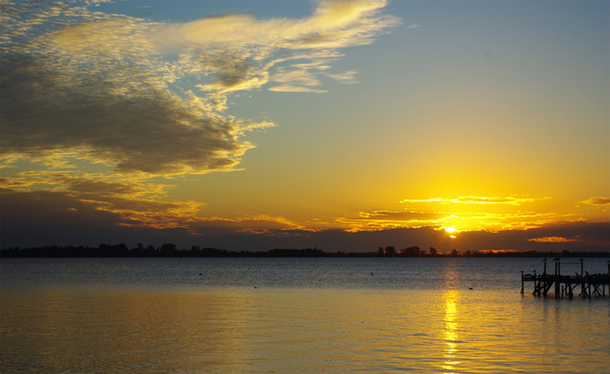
point(295, 315)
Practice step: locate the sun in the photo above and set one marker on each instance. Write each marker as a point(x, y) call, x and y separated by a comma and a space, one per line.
point(451, 230)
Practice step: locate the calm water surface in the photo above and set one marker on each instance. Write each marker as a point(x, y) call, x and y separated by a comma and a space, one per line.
point(255, 315)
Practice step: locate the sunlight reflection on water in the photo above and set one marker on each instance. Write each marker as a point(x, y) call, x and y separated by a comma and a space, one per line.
point(451, 330)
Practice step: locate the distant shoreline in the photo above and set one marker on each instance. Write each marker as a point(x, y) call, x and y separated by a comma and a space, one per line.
point(170, 250)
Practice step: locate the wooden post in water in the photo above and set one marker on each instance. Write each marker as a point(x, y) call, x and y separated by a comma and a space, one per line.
point(582, 277)
point(544, 271)
point(557, 275)
point(521, 282)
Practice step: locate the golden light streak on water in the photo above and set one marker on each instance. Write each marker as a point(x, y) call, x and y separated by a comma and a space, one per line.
point(450, 299)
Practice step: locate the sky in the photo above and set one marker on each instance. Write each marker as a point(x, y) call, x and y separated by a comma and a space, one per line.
point(342, 125)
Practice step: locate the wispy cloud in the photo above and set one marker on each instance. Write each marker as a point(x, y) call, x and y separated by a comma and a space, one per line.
point(600, 201)
point(509, 200)
point(443, 218)
point(289, 88)
point(260, 225)
point(124, 202)
point(347, 77)
point(383, 219)
point(552, 239)
point(131, 202)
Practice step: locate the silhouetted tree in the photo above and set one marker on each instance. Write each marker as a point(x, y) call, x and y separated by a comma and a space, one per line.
point(433, 251)
point(390, 251)
point(410, 251)
point(167, 249)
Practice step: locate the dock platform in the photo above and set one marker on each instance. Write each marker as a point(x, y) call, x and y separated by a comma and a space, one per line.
point(587, 285)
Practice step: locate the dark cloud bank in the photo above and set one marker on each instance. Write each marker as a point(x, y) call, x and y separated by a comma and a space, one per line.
point(54, 218)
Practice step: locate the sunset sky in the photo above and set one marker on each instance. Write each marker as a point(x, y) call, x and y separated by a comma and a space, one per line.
point(344, 125)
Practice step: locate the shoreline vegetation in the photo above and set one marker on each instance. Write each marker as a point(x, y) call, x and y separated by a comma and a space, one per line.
point(171, 250)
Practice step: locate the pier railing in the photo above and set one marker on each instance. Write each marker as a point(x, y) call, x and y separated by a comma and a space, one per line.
point(589, 285)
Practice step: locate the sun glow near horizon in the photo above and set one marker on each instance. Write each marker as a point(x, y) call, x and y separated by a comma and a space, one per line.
point(452, 231)
point(487, 215)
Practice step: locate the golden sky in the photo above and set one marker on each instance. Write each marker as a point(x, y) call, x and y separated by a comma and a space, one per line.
point(344, 125)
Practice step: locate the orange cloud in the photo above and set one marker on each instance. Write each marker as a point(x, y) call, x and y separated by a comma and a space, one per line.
point(383, 219)
point(509, 200)
point(552, 239)
point(598, 201)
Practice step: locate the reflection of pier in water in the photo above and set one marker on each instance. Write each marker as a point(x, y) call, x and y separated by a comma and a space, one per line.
point(565, 285)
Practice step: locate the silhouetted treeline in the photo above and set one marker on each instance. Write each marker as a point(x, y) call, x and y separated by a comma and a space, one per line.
point(166, 250)
point(171, 250)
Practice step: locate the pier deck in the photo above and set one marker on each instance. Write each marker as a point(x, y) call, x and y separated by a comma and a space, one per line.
point(588, 285)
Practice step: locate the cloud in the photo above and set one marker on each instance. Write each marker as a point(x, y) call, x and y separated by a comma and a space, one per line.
point(432, 200)
point(598, 201)
point(462, 221)
point(261, 52)
point(347, 77)
point(136, 99)
point(509, 200)
point(156, 134)
point(124, 91)
point(51, 224)
point(551, 239)
point(73, 206)
point(495, 222)
point(38, 218)
point(383, 219)
point(260, 225)
point(288, 88)
point(131, 202)
point(89, 90)
point(334, 24)
point(89, 211)
point(298, 74)
point(578, 235)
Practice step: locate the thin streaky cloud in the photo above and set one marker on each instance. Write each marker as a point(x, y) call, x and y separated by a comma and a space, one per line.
point(509, 200)
point(287, 88)
point(600, 201)
point(552, 239)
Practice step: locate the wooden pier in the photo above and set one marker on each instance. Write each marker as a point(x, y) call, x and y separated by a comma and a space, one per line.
point(589, 285)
